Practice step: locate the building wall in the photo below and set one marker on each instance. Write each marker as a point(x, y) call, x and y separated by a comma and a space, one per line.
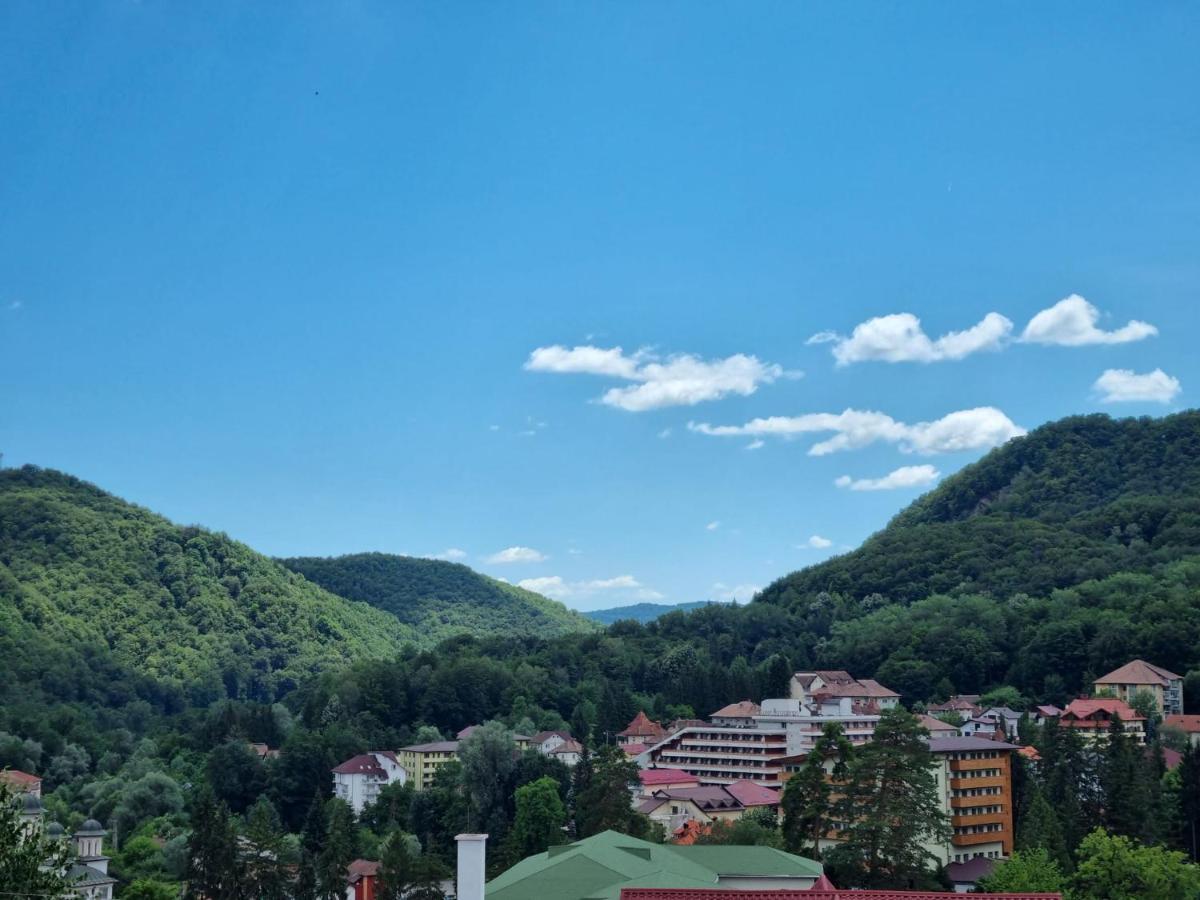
point(722, 755)
point(422, 767)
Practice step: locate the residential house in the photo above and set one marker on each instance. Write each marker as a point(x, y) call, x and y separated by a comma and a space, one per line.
point(1093, 717)
point(753, 795)
point(1189, 725)
point(22, 782)
point(965, 705)
point(737, 715)
point(641, 730)
point(545, 741)
point(359, 779)
point(705, 804)
point(978, 726)
point(601, 866)
point(263, 752)
point(836, 683)
point(568, 753)
point(1042, 714)
point(1139, 675)
point(362, 878)
point(936, 727)
point(423, 761)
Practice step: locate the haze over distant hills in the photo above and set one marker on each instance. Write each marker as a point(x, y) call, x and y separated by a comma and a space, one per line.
point(642, 612)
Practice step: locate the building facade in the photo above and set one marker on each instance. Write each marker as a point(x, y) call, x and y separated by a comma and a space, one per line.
point(1137, 676)
point(359, 779)
point(423, 761)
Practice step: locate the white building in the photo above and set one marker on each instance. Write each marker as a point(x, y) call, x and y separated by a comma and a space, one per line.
point(359, 779)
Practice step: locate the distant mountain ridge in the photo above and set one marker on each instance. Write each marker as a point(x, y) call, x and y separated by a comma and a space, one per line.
point(439, 599)
point(643, 612)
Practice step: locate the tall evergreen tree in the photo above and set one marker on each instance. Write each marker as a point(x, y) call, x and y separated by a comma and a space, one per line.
point(891, 808)
point(1068, 781)
point(807, 802)
point(603, 803)
point(1121, 782)
point(266, 875)
point(1188, 815)
point(1040, 829)
point(213, 870)
point(339, 850)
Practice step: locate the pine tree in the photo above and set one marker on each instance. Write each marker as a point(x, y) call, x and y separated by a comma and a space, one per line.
point(214, 872)
point(396, 869)
point(891, 807)
point(1189, 802)
point(339, 850)
point(1121, 782)
point(266, 876)
point(807, 802)
point(603, 803)
point(1040, 829)
point(1068, 781)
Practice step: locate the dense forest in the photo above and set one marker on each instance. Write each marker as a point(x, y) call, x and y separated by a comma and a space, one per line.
point(439, 599)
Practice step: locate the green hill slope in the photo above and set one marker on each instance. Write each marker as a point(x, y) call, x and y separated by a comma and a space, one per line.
point(1077, 499)
point(439, 599)
point(102, 601)
point(642, 612)
point(1053, 559)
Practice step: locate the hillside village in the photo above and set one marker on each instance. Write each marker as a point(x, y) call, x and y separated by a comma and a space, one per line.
point(694, 775)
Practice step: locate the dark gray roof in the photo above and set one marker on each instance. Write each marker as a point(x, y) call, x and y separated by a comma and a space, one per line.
point(970, 871)
point(86, 876)
point(31, 804)
point(91, 826)
point(54, 830)
point(957, 744)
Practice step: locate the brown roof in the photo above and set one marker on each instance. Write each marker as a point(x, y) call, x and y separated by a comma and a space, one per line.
point(568, 746)
point(650, 777)
point(932, 725)
point(707, 797)
point(542, 736)
point(362, 868)
point(1190, 724)
point(1138, 672)
point(743, 709)
point(835, 676)
point(875, 689)
point(642, 726)
point(363, 764)
point(750, 793)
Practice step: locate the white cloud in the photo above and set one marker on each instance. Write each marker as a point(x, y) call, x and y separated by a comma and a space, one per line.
point(742, 593)
point(451, 553)
point(712, 526)
point(968, 429)
point(516, 555)
point(1071, 322)
point(560, 589)
point(816, 542)
point(899, 338)
point(493, 428)
point(1126, 386)
point(678, 380)
point(756, 444)
point(904, 477)
point(665, 433)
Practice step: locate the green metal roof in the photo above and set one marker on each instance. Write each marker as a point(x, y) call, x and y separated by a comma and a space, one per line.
point(596, 868)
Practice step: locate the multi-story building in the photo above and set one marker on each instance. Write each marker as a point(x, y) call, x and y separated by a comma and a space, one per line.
point(1124, 683)
point(803, 722)
point(422, 761)
point(359, 779)
point(975, 787)
point(1093, 717)
point(719, 754)
point(736, 715)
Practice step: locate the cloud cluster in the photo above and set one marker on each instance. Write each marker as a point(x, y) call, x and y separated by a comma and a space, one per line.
point(450, 553)
point(899, 337)
point(1126, 386)
point(560, 589)
point(969, 429)
point(741, 593)
point(516, 555)
point(678, 380)
point(904, 477)
point(816, 542)
point(1071, 322)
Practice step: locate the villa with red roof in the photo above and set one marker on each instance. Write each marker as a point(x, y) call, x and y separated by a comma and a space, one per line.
point(359, 779)
point(1138, 676)
point(641, 730)
point(1093, 717)
point(1189, 725)
point(834, 684)
point(21, 782)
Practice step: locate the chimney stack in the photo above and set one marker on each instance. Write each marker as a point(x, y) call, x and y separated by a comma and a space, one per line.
point(472, 864)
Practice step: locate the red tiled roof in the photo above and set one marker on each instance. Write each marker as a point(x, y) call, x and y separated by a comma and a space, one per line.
point(811, 894)
point(1030, 752)
point(650, 777)
point(1139, 672)
point(1087, 707)
point(641, 726)
point(750, 793)
point(875, 689)
point(363, 764)
point(19, 779)
point(1049, 710)
point(362, 868)
point(743, 709)
point(1190, 724)
point(634, 749)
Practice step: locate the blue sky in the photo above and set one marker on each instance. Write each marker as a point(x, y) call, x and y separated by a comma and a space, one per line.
point(318, 277)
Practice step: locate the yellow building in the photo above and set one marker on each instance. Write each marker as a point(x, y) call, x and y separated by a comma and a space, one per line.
point(422, 761)
point(1125, 683)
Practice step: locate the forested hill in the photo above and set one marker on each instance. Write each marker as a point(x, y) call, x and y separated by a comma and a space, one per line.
point(103, 602)
point(1077, 499)
point(642, 612)
point(439, 599)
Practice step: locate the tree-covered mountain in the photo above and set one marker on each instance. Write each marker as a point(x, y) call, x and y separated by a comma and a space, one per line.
point(439, 599)
point(1078, 499)
point(642, 612)
point(1055, 558)
point(103, 602)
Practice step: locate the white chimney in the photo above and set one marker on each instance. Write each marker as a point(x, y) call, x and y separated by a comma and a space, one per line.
point(472, 864)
